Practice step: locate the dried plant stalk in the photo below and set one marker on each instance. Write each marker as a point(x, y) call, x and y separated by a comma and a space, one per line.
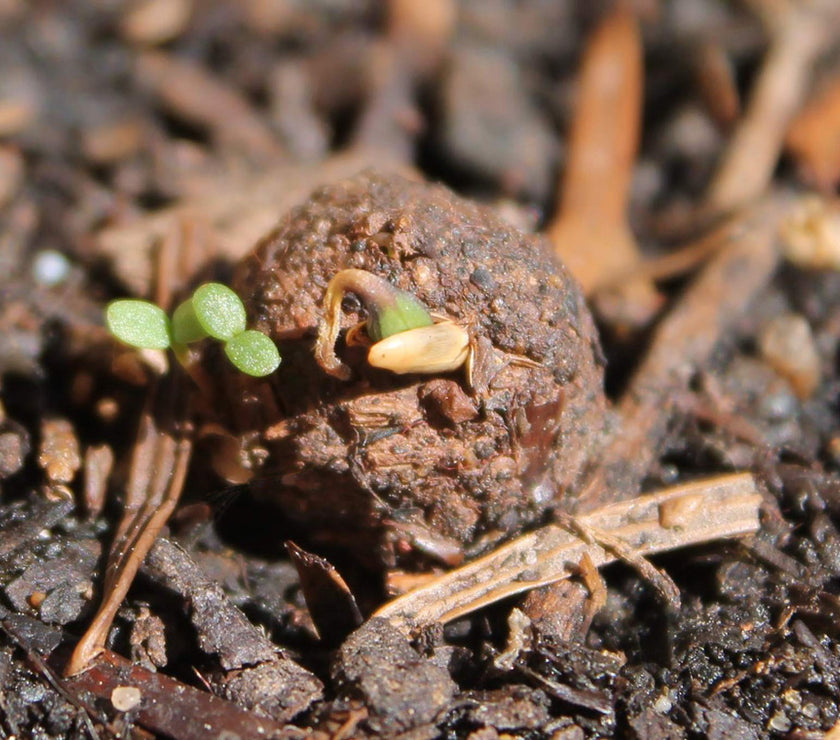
point(683, 515)
point(799, 34)
point(683, 343)
point(194, 94)
point(716, 81)
point(158, 471)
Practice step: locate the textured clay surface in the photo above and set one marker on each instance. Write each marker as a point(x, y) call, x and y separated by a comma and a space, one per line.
point(394, 466)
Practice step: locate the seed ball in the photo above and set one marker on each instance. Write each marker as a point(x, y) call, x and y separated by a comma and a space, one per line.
point(400, 469)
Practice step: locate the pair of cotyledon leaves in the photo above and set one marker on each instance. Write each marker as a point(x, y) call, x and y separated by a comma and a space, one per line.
point(214, 310)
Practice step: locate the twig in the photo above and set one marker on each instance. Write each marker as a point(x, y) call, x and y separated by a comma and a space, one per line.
point(800, 32)
point(594, 582)
point(590, 232)
point(694, 513)
point(158, 471)
point(660, 581)
point(716, 82)
point(181, 252)
point(173, 709)
point(422, 31)
point(690, 255)
point(683, 344)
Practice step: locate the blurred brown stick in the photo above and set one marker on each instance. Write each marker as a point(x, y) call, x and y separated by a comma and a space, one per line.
point(590, 232)
point(799, 34)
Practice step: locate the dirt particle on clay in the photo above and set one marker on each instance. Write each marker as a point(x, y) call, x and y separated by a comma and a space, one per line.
point(360, 456)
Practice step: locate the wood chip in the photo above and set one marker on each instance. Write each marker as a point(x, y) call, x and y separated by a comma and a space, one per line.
point(99, 459)
point(800, 32)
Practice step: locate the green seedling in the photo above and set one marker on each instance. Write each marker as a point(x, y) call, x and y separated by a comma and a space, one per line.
point(213, 310)
point(391, 311)
point(138, 323)
point(400, 332)
point(185, 326)
point(395, 313)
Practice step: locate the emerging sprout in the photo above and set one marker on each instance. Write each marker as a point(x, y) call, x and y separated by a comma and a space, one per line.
point(214, 310)
point(406, 338)
point(390, 311)
point(398, 313)
point(439, 348)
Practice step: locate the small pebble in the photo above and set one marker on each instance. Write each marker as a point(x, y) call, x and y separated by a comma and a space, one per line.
point(663, 703)
point(810, 235)
point(779, 722)
point(59, 453)
point(811, 711)
point(125, 698)
point(50, 267)
point(787, 345)
point(36, 598)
